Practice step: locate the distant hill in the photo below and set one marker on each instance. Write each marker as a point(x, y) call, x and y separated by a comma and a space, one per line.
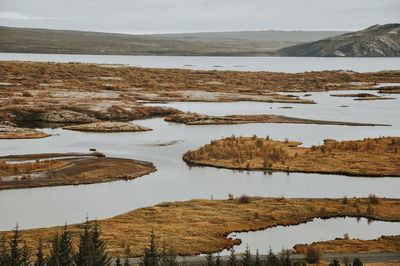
point(251, 43)
point(377, 40)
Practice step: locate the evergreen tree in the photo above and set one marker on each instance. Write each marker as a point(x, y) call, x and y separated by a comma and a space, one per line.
point(84, 256)
point(99, 254)
point(25, 255)
point(15, 257)
point(61, 250)
point(285, 257)
point(335, 262)
point(126, 262)
point(257, 261)
point(54, 260)
point(118, 262)
point(151, 257)
point(4, 253)
point(272, 260)
point(357, 262)
point(210, 259)
point(232, 258)
point(218, 260)
point(40, 261)
point(246, 260)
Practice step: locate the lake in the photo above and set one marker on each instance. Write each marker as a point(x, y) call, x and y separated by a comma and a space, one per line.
point(165, 145)
point(241, 63)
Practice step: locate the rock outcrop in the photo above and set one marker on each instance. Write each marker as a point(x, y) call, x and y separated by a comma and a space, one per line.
point(375, 41)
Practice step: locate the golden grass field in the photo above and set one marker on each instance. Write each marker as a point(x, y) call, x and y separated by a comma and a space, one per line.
point(196, 226)
point(368, 157)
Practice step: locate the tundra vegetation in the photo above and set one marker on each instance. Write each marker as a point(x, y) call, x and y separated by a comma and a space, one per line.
point(201, 226)
point(67, 169)
point(85, 93)
point(198, 119)
point(373, 157)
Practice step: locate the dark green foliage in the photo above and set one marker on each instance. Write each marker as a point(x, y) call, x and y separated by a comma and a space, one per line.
point(25, 255)
point(91, 247)
point(118, 262)
point(357, 262)
point(61, 249)
point(218, 260)
point(210, 259)
point(284, 258)
point(15, 256)
point(257, 261)
point(84, 257)
point(40, 261)
point(98, 247)
point(335, 262)
point(272, 260)
point(4, 252)
point(232, 258)
point(246, 260)
point(151, 257)
point(126, 263)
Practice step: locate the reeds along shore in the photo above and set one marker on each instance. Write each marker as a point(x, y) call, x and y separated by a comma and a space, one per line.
point(368, 157)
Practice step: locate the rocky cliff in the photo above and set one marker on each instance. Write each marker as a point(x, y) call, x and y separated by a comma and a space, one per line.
point(377, 40)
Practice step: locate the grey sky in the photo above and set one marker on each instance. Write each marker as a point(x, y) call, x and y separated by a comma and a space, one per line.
point(161, 16)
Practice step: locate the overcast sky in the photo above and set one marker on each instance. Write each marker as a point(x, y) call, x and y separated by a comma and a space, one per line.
point(162, 16)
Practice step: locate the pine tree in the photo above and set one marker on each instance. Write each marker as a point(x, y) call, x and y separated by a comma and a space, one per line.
point(357, 262)
point(285, 258)
point(210, 259)
point(246, 261)
point(151, 257)
point(25, 255)
point(118, 262)
point(61, 249)
point(232, 258)
point(4, 253)
point(53, 260)
point(66, 257)
point(257, 261)
point(218, 260)
point(272, 260)
point(99, 254)
point(40, 261)
point(84, 256)
point(15, 249)
point(335, 262)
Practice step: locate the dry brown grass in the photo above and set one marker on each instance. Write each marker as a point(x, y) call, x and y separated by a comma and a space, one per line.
point(368, 157)
point(96, 90)
point(198, 119)
point(382, 244)
point(73, 171)
point(198, 226)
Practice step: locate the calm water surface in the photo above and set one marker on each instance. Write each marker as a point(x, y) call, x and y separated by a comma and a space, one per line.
point(275, 64)
point(285, 237)
point(174, 180)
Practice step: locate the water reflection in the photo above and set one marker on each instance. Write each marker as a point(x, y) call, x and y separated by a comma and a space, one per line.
point(285, 237)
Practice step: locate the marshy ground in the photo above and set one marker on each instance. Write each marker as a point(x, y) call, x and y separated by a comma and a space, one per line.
point(369, 157)
point(196, 226)
point(67, 169)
